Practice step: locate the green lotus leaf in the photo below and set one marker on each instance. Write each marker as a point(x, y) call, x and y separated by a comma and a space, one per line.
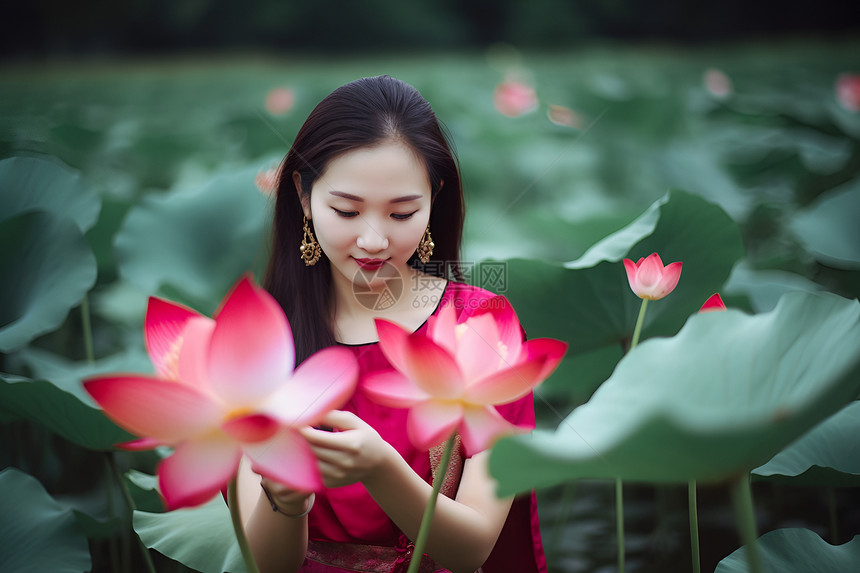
point(33, 184)
point(829, 229)
point(720, 398)
point(36, 532)
point(796, 550)
point(144, 491)
point(588, 302)
point(47, 268)
point(828, 455)
point(195, 244)
point(61, 412)
point(201, 538)
point(764, 288)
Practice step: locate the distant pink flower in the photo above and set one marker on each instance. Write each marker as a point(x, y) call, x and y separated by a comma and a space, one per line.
point(848, 91)
point(222, 388)
point(280, 100)
point(451, 376)
point(649, 279)
point(715, 302)
point(513, 98)
point(560, 115)
point(717, 83)
point(267, 181)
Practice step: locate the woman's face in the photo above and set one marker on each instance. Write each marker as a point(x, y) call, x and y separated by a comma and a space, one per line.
point(370, 207)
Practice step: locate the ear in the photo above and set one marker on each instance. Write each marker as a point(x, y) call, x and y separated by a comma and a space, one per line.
point(303, 199)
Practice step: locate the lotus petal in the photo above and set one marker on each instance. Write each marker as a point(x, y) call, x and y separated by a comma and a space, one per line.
point(287, 458)
point(198, 470)
point(481, 427)
point(251, 352)
point(507, 385)
point(154, 408)
point(251, 428)
point(433, 369)
point(193, 363)
point(433, 422)
point(390, 388)
point(323, 382)
point(163, 329)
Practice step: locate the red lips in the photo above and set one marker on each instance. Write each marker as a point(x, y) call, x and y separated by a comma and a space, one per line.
point(370, 264)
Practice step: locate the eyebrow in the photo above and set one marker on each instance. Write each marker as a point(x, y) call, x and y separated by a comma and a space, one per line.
point(351, 197)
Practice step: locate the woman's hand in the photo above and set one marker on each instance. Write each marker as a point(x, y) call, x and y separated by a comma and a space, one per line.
point(289, 501)
point(353, 452)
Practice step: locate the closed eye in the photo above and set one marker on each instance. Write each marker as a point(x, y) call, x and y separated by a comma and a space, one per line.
point(345, 214)
point(403, 216)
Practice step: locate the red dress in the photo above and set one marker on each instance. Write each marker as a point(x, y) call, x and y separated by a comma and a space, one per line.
point(348, 531)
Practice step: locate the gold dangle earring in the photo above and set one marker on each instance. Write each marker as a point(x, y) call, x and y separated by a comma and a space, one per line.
point(425, 247)
point(310, 249)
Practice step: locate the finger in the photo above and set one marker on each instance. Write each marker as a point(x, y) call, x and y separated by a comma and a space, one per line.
point(342, 420)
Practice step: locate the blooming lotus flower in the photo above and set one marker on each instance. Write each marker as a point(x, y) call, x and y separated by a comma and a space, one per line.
point(717, 83)
point(452, 374)
point(848, 91)
point(649, 279)
point(280, 100)
point(267, 181)
point(715, 302)
point(513, 98)
point(224, 387)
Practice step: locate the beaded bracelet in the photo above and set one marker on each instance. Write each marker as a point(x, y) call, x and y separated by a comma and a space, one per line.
point(279, 510)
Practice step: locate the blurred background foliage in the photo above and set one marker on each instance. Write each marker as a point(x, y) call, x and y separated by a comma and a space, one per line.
point(131, 135)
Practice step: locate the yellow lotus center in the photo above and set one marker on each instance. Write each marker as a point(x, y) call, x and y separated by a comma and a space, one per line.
point(239, 413)
point(460, 330)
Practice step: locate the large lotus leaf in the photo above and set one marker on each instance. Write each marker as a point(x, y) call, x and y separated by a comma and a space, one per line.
point(764, 288)
point(588, 302)
point(796, 550)
point(201, 538)
point(195, 243)
point(68, 375)
point(33, 184)
point(827, 455)
point(829, 229)
point(59, 411)
point(46, 267)
point(721, 397)
point(36, 532)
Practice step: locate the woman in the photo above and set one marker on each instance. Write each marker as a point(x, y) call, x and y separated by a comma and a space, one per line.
point(369, 177)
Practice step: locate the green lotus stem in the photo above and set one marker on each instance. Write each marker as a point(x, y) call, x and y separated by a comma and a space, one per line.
point(745, 515)
point(129, 501)
point(112, 544)
point(639, 320)
point(694, 525)
point(619, 522)
point(233, 504)
point(88, 329)
point(424, 530)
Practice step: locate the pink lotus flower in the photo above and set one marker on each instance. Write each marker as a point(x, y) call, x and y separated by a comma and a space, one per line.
point(649, 279)
point(280, 100)
point(715, 302)
point(717, 83)
point(223, 387)
point(513, 98)
point(267, 181)
point(452, 375)
point(848, 91)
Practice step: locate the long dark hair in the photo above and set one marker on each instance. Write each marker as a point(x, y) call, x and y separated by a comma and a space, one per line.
point(362, 113)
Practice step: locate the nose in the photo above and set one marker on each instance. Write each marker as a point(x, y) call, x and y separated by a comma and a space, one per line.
point(372, 240)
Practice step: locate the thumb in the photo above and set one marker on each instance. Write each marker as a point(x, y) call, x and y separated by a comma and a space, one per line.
point(342, 420)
